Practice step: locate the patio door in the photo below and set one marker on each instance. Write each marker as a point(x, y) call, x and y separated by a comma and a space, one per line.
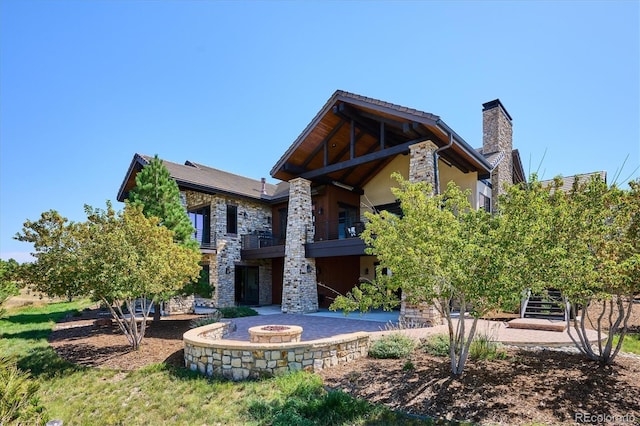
point(247, 285)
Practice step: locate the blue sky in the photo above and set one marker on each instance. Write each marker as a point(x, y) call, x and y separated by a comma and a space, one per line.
point(86, 84)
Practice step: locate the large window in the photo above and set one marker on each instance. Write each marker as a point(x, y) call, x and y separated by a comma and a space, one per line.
point(232, 219)
point(200, 219)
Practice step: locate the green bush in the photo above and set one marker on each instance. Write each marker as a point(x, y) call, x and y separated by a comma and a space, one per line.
point(304, 401)
point(18, 402)
point(394, 345)
point(484, 348)
point(437, 345)
point(211, 318)
point(237, 312)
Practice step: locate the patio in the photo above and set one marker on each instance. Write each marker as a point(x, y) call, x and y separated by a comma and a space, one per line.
point(325, 323)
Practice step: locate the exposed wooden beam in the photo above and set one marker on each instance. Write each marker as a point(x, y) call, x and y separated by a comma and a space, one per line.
point(374, 156)
point(348, 172)
point(348, 113)
point(324, 142)
point(346, 148)
point(352, 140)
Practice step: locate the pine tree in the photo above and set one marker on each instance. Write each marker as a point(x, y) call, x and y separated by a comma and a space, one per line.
point(159, 196)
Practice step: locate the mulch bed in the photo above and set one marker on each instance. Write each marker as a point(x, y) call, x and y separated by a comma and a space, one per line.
point(81, 342)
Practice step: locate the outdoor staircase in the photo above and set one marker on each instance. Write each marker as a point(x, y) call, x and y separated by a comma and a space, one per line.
point(550, 305)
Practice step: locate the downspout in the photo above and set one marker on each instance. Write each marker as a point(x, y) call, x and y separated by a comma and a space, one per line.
point(436, 190)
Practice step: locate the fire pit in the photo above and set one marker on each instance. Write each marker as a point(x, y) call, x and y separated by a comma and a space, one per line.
point(275, 333)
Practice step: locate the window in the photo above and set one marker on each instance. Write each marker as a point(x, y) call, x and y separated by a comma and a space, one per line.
point(283, 213)
point(485, 203)
point(347, 218)
point(232, 219)
point(202, 224)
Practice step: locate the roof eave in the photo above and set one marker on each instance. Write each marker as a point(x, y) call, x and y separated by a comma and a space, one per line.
point(137, 160)
point(464, 146)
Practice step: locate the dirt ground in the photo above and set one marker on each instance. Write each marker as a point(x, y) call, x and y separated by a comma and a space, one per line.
point(78, 340)
point(542, 387)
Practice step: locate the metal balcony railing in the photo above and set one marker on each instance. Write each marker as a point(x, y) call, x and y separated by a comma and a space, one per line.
point(260, 239)
point(337, 230)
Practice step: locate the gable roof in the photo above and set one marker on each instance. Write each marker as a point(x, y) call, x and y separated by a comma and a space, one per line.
point(567, 182)
point(517, 171)
point(323, 151)
point(206, 179)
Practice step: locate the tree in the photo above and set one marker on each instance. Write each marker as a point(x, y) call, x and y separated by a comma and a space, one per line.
point(159, 196)
point(585, 243)
point(117, 258)
point(57, 264)
point(8, 281)
point(439, 251)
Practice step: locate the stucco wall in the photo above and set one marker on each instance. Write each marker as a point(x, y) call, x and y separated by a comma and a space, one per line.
point(465, 181)
point(378, 190)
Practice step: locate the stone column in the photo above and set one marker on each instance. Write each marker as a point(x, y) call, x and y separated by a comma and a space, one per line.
point(421, 169)
point(421, 166)
point(299, 286)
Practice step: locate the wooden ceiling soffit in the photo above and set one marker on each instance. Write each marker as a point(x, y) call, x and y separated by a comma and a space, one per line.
point(323, 145)
point(363, 159)
point(374, 126)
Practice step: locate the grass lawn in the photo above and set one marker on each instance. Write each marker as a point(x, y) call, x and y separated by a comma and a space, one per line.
point(161, 394)
point(630, 344)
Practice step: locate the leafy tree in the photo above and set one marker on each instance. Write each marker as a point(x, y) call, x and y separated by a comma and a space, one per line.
point(8, 281)
point(585, 243)
point(159, 196)
point(117, 258)
point(57, 263)
point(439, 251)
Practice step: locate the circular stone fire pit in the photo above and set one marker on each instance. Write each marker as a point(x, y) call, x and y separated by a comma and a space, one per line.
point(275, 333)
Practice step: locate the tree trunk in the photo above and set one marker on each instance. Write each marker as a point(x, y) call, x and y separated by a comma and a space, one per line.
point(156, 311)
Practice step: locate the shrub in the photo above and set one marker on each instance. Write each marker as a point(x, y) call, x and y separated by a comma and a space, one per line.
point(437, 345)
point(483, 347)
point(237, 312)
point(394, 345)
point(211, 318)
point(18, 402)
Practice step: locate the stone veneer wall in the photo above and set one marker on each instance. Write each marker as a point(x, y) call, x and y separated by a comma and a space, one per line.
point(180, 305)
point(497, 136)
point(421, 169)
point(252, 216)
point(205, 353)
point(299, 286)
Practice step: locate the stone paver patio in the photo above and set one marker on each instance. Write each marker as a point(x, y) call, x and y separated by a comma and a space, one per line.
point(326, 324)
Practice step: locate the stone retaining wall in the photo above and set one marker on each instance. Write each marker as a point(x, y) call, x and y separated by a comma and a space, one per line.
point(204, 351)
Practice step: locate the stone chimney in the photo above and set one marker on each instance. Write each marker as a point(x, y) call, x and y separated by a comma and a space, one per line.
point(497, 138)
point(263, 181)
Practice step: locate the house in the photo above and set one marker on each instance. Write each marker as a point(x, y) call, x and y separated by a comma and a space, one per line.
point(274, 244)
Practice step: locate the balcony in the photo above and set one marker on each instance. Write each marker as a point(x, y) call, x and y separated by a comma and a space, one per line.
point(337, 230)
point(261, 245)
point(336, 238)
point(207, 246)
